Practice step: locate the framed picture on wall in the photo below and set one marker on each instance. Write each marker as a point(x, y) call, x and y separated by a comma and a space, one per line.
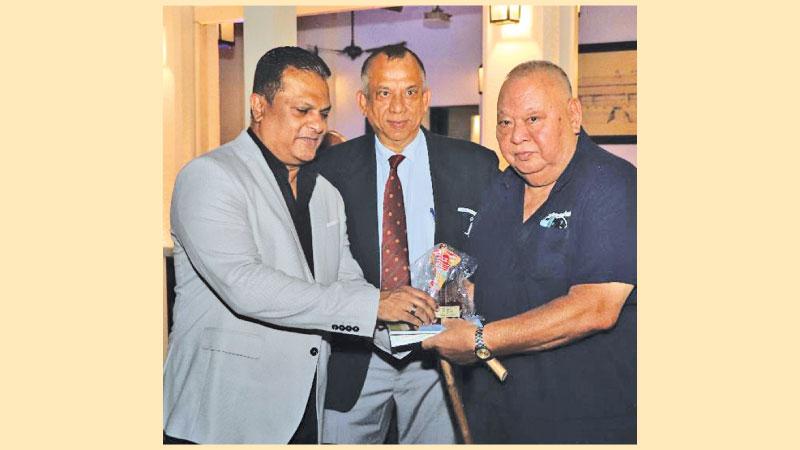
point(607, 90)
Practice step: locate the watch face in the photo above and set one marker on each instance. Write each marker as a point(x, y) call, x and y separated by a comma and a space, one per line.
point(483, 353)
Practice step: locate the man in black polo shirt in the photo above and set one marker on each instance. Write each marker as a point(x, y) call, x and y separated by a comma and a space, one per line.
point(556, 245)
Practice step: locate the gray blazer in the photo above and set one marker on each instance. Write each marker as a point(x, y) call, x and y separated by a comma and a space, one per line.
point(251, 324)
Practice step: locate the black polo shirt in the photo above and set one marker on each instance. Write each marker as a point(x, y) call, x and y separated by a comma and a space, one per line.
point(583, 392)
point(298, 208)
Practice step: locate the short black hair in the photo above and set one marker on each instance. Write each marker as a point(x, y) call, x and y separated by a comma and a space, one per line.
point(269, 70)
point(394, 51)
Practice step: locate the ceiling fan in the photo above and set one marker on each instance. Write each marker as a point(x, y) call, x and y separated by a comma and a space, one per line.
point(352, 50)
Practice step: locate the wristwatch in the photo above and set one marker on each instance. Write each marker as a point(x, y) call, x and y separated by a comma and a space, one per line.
point(481, 350)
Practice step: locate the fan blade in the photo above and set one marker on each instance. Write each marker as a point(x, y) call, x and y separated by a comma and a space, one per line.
point(316, 49)
point(371, 50)
point(352, 28)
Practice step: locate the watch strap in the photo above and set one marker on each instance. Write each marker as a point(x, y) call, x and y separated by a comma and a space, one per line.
point(479, 343)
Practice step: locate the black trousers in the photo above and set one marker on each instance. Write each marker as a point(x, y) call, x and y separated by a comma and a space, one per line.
point(306, 432)
point(169, 440)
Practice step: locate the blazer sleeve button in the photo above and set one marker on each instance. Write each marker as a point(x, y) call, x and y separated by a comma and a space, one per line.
point(355, 329)
point(334, 327)
point(314, 351)
point(348, 328)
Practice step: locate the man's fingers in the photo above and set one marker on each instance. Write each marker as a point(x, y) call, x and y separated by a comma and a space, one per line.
point(412, 319)
point(419, 303)
point(421, 295)
point(423, 311)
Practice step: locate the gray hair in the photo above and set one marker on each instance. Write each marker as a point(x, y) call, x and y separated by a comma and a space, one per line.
point(537, 66)
point(394, 51)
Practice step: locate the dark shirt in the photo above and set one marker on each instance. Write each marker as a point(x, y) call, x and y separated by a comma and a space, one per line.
point(306, 432)
point(585, 232)
point(298, 208)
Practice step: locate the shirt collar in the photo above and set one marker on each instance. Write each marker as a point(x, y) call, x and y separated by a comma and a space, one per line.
point(277, 167)
point(411, 151)
point(577, 157)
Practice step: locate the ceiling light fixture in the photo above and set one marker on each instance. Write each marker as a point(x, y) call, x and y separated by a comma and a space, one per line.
point(503, 14)
point(437, 18)
point(227, 34)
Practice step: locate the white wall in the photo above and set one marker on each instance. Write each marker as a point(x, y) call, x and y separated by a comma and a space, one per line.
point(543, 32)
point(598, 24)
point(451, 55)
point(265, 27)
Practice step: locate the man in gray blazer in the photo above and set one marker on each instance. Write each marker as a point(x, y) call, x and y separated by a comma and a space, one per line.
point(264, 273)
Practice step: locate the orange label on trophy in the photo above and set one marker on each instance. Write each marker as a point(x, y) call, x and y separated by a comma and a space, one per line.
point(442, 259)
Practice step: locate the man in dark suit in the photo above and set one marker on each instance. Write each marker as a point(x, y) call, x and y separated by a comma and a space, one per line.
point(404, 190)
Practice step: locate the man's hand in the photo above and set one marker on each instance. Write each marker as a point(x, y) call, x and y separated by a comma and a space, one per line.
point(406, 304)
point(456, 343)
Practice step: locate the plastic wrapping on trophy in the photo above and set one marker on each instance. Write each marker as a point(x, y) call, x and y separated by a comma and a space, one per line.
point(443, 273)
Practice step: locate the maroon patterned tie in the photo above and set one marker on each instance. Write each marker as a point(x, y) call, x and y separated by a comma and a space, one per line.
point(394, 249)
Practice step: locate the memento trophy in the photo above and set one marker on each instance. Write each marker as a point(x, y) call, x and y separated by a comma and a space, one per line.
point(443, 273)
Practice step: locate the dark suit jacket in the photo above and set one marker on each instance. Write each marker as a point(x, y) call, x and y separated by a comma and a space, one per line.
point(460, 170)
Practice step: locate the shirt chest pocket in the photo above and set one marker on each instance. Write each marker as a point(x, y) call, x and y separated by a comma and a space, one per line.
point(549, 256)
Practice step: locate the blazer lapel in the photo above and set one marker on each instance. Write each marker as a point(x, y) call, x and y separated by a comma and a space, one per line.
point(265, 179)
point(438, 164)
point(365, 210)
point(320, 217)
